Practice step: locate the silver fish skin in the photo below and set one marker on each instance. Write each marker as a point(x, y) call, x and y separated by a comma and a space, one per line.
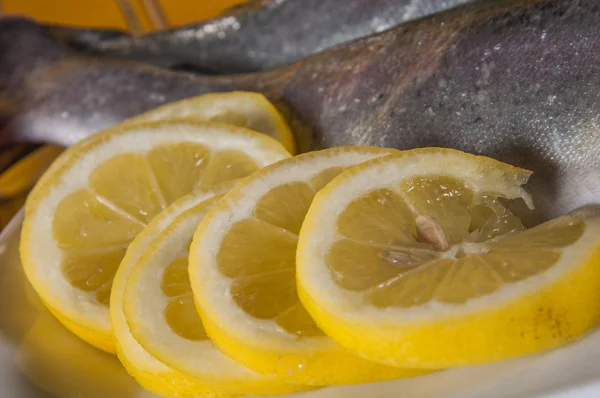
point(261, 35)
point(516, 80)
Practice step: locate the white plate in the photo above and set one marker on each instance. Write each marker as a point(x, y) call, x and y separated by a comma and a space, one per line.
point(40, 358)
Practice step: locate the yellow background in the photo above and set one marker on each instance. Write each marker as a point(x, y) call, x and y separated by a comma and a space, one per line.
point(106, 13)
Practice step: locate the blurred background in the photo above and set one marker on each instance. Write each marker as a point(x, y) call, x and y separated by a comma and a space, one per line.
point(138, 16)
point(22, 164)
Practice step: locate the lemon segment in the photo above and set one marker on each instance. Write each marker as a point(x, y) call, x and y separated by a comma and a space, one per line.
point(148, 371)
point(397, 257)
point(160, 313)
point(101, 192)
point(180, 312)
point(242, 270)
point(239, 108)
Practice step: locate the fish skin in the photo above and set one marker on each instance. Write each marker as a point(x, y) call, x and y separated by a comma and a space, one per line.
point(264, 34)
point(516, 80)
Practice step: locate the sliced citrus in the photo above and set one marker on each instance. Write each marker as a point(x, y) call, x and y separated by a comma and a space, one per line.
point(239, 108)
point(160, 313)
point(412, 261)
point(148, 371)
point(84, 212)
point(242, 270)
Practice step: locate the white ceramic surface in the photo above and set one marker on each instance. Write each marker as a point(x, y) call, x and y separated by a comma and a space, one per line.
point(40, 358)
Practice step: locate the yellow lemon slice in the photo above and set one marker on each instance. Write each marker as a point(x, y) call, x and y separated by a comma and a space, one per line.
point(86, 209)
point(242, 271)
point(148, 371)
point(239, 108)
point(411, 261)
point(160, 313)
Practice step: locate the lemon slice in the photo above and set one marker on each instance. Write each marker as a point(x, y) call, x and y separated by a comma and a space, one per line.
point(148, 371)
point(159, 309)
point(83, 213)
point(242, 271)
point(239, 108)
point(412, 261)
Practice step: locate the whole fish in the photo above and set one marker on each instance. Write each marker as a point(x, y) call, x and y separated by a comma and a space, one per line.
point(517, 80)
point(260, 35)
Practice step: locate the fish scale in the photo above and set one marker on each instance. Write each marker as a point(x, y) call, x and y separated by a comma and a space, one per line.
point(257, 36)
point(515, 80)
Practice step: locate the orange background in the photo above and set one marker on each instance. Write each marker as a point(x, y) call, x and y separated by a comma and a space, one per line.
point(106, 13)
point(19, 175)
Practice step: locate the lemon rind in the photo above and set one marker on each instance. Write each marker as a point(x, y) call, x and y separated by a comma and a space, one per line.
point(206, 366)
point(196, 108)
point(39, 253)
point(437, 335)
point(261, 344)
point(149, 372)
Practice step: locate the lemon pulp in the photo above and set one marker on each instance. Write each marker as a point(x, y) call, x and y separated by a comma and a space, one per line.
point(93, 226)
point(458, 251)
point(399, 256)
point(259, 254)
point(159, 308)
point(180, 312)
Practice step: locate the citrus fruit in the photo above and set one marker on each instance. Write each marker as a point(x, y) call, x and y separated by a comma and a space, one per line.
point(86, 209)
point(239, 108)
point(160, 313)
point(242, 271)
point(412, 260)
point(148, 371)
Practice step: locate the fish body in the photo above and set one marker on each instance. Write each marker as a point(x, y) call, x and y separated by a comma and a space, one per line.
point(261, 35)
point(515, 79)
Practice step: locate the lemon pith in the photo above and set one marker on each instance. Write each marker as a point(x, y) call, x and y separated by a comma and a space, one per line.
point(242, 269)
point(148, 371)
point(88, 207)
point(412, 261)
point(159, 310)
point(239, 108)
